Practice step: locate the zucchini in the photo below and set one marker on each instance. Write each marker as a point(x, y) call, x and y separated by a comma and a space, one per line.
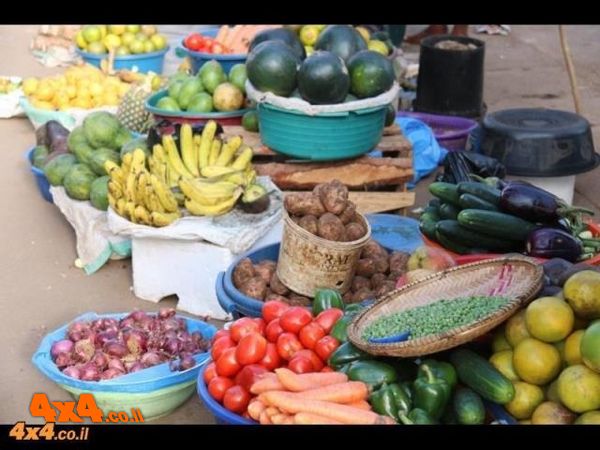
point(373, 373)
point(446, 192)
point(448, 211)
point(451, 245)
point(496, 224)
point(427, 227)
point(468, 407)
point(481, 190)
point(469, 201)
point(478, 374)
point(452, 230)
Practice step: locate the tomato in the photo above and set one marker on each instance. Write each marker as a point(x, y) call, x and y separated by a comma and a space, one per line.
point(208, 45)
point(310, 334)
point(295, 318)
point(220, 334)
point(272, 360)
point(227, 365)
point(287, 345)
point(218, 386)
point(273, 310)
point(312, 357)
point(217, 48)
point(299, 364)
point(248, 375)
point(251, 349)
point(328, 318)
point(210, 372)
point(273, 330)
point(193, 41)
point(326, 369)
point(325, 347)
point(236, 399)
point(242, 327)
point(219, 346)
point(261, 325)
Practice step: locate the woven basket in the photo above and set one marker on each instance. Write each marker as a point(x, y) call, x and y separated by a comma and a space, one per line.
point(517, 278)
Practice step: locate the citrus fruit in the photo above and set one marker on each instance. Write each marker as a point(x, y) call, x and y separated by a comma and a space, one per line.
point(588, 418)
point(550, 413)
point(141, 37)
point(379, 47)
point(582, 291)
point(91, 33)
point(503, 361)
point(43, 92)
point(127, 38)
point(111, 41)
point(560, 346)
point(133, 28)
point(516, 330)
point(227, 97)
point(572, 350)
point(80, 40)
point(149, 47)
point(527, 398)
point(250, 121)
point(116, 29)
point(549, 319)
point(29, 85)
point(159, 41)
point(103, 31)
point(122, 51)
point(536, 362)
point(499, 341)
point(149, 30)
point(96, 47)
point(309, 49)
point(552, 392)
point(309, 34)
point(579, 388)
point(590, 346)
point(136, 46)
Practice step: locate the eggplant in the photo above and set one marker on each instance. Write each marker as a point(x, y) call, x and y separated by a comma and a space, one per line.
point(553, 243)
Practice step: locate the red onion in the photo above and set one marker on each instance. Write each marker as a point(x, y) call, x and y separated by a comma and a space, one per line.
point(187, 346)
point(174, 366)
point(84, 350)
point(136, 366)
point(72, 372)
point(135, 340)
point(115, 348)
point(171, 346)
point(100, 360)
point(127, 322)
point(116, 364)
point(89, 372)
point(110, 373)
point(64, 360)
point(165, 313)
point(182, 324)
point(78, 331)
point(64, 346)
point(187, 362)
point(170, 324)
point(150, 359)
point(184, 336)
point(105, 336)
point(171, 334)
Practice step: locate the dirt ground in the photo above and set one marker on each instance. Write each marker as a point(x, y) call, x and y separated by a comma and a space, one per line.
point(41, 288)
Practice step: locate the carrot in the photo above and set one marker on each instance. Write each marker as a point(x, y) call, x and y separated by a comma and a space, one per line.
point(244, 39)
point(362, 404)
point(314, 419)
point(264, 419)
point(272, 411)
point(232, 37)
point(304, 382)
point(348, 392)
point(279, 419)
point(289, 420)
point(255, 408)
point(222, 34)
point(266, 384)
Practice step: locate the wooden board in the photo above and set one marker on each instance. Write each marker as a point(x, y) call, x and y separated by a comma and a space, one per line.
point(378, 202)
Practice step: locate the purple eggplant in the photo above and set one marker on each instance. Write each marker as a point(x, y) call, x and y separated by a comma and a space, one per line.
point(553, 243)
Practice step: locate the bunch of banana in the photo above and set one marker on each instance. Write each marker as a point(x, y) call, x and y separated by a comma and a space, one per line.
point(139, 195)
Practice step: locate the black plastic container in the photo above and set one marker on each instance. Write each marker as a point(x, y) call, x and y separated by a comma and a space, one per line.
point(450, 82)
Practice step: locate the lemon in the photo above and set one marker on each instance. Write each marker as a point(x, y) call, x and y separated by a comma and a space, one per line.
point(29, 85)
point(499, 341)
point(91, 33)
point(527, 398)
point(516, 329)
point(549, 319)
point(116, 29)
point(503, 361)
point(41, 104)
point(103, 31)
point(536, 362)
point(551, 413)
point(309, 35)
point(111, 41)
point(579, 388)
point(96, 89)
point(44, 92)
point(589, 418)
point(378, 46)
point(572, 348)
point(127, 38)
point(552, 392)
point(149, 47)
point(582, 291)
point(80, 40)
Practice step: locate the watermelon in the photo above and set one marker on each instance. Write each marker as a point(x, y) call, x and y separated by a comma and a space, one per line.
point(371, 74)
point(56, 169)
point(78, 181)
point(323, 79)
point(272, 67)
point(285, 35)
point(343, 40)
point(99, 193)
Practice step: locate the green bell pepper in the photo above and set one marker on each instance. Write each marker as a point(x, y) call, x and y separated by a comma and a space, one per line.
point(340, 329)
point(344, 354)
point(440, 369)
point(401, 398)
point(326, 299)
point(418, 417)
point(407, 387)
point(431, 394)
point(383, 402)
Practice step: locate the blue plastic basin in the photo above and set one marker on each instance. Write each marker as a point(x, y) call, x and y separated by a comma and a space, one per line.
point(144, 62)
point(40, 178)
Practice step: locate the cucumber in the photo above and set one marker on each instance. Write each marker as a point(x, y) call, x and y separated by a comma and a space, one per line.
point(452, 230)
point(427, 227)
point(434, 213)
point(448, 211)
point(469, 201)
point(430, 217)
point(344, 354)
point(478, 374)
point(483, 191)
point(373, 373)
point(468, 407)
point(496, 224)
point(434, 203)
point(451, 245)
point(446, 192)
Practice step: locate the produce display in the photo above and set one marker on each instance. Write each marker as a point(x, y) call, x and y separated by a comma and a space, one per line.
point(132, 109)
point(122, 39)
point(108, 348)
point(8, 85)
point(229, 39)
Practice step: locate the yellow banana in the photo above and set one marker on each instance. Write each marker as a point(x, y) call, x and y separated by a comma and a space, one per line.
point(244, 158)
point(164, 194)
point(130, 211)
point(174, 158)
point(163, 219)
point(140, 188)
point(159, 154)
point(152, 201)
point(180, 198)
point(172, 177)
point(126, 164)
point(114, 171)
point(216, 171)
point(115, 189)
point(120, 207)
point(197, 209)
point(215, 148)
point(208, 134)
point(130, 188)
point(151, 163)
point(228, 150)
point(112, 201)
point(138, 162)
point(142, 215)
point(197, 139)
point(208, 193)
point(188, 152)
point(250, 176)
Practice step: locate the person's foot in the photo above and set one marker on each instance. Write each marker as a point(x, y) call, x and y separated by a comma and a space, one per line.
point(460, 30)
point(431, 30)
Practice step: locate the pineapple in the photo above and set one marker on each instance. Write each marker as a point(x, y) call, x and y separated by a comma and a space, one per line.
point(132, 111)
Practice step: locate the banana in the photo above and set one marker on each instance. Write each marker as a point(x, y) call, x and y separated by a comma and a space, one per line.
point(114, 171)
point(188, 152)
point(130, 211)
point(213, 210)
point(152, 201)
point(141, 215)
point(159, 154)
point(130, 188)
point(208, 134)
point(140, 188)
point(164, 194)
point(172, 177)
point(197, 139)
point(112, 201)
point(174, 158)
point(180, 198)
point(163, 219)
point(250, 176)
point(228, 150)
point(138, 162)
point(208, 194)
point(244, 158)
point(120, 207)
point(151, 164)
point(215, 148)
point(115, 189)
point(216, 171)
point(126, 164)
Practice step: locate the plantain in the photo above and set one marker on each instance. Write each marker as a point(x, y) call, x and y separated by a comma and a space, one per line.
point(228, 150)
point(163, 219)
point(174, 158)
point(243, 159)
point(208, 134)
point(164, 194)
point(224, 207)
point(188, 151)
point(114, 171)
point(215, 148)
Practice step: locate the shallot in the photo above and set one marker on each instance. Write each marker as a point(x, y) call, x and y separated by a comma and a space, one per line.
point(64, 346)
point(73, 372)
point(89, 372)
point(115, 348)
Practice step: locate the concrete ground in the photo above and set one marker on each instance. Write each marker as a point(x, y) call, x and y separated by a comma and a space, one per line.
point(40, 287)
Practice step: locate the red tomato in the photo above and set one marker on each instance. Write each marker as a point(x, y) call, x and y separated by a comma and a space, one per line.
point(251, 349)
point(236, 399)
point(210, 372)
point(273, 330)
point(295, 318)
point(261, 325)
point(220, 334)
point(193, 41)
point(219, 346)
point(310, 334)
point(299, 364)
point(312, 357)
point(272, 360)
point(242, 327)
point(227, 365)
point(208, 45)
point(273, 310)
point(328, 318)
point(218, 386)
point(326, 369)
point(217, 48)
point(325, 347)
point(287, 345)
point(248, 375)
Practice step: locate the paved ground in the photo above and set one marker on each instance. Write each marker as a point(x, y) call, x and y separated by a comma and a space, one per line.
point(41, 289)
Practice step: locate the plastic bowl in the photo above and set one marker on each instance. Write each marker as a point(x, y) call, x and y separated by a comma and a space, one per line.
point(223, 118)
point(40, 178)
point(143, 62)
point(156, 391)
point(222, 415)
point(451, 132)
point(200, 58)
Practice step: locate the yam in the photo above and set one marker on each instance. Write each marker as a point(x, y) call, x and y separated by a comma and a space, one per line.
point(363, 294)
point(309, 223)
point(348, 213)
point(242, 272)
point(372, 250)
point(254, 287)
point(366, 267)
point(277, 286)
point(359, 283)
point(355, 231)
point(303, 204)
point(384, 288)
point(265, 269)
point(381, 264)
point(334, 197)
point(298, 300)
point(377, 280)
point(330, 227)
point(398, 262)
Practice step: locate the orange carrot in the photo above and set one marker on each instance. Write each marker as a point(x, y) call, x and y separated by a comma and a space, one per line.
point(304, 382)
point(314, 419)
point(245, 38)
point(222, 34)
point(232, 37)
point(279, 419)
point(363, 404)
point(264, 419)
point(272, 411)
point(255, 408)
point(265, 384)
point(289, 420)
point(348, 392)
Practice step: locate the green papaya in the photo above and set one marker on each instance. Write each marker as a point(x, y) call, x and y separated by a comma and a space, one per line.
point(78, 181)
point(99, 157)
point(99, 193)
point(56, 169)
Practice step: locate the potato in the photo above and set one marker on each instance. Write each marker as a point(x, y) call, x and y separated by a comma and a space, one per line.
point(377, 280)
point(274, 296)
point(242, 272)
point(361, 295)
point(393, 276)
point(366, 267)
point(398, 261)
point(303, 204)
point(330, 227)
point(360, 282)
point(347, 214)
point(265, 269)
point(372, 249)
point(348, 297)
point(295, 219)
point(277, 286)
point(309, 223)
point(381, 264)
point(299, 300)
point(355, 231)
point(254, 287)
point(384, 288)
point(334, 196)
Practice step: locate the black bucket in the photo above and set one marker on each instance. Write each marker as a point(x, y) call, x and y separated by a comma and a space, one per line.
point(450, 82)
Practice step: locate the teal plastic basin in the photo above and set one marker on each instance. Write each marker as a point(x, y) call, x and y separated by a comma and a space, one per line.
point(144, 62)
point(323, 137)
